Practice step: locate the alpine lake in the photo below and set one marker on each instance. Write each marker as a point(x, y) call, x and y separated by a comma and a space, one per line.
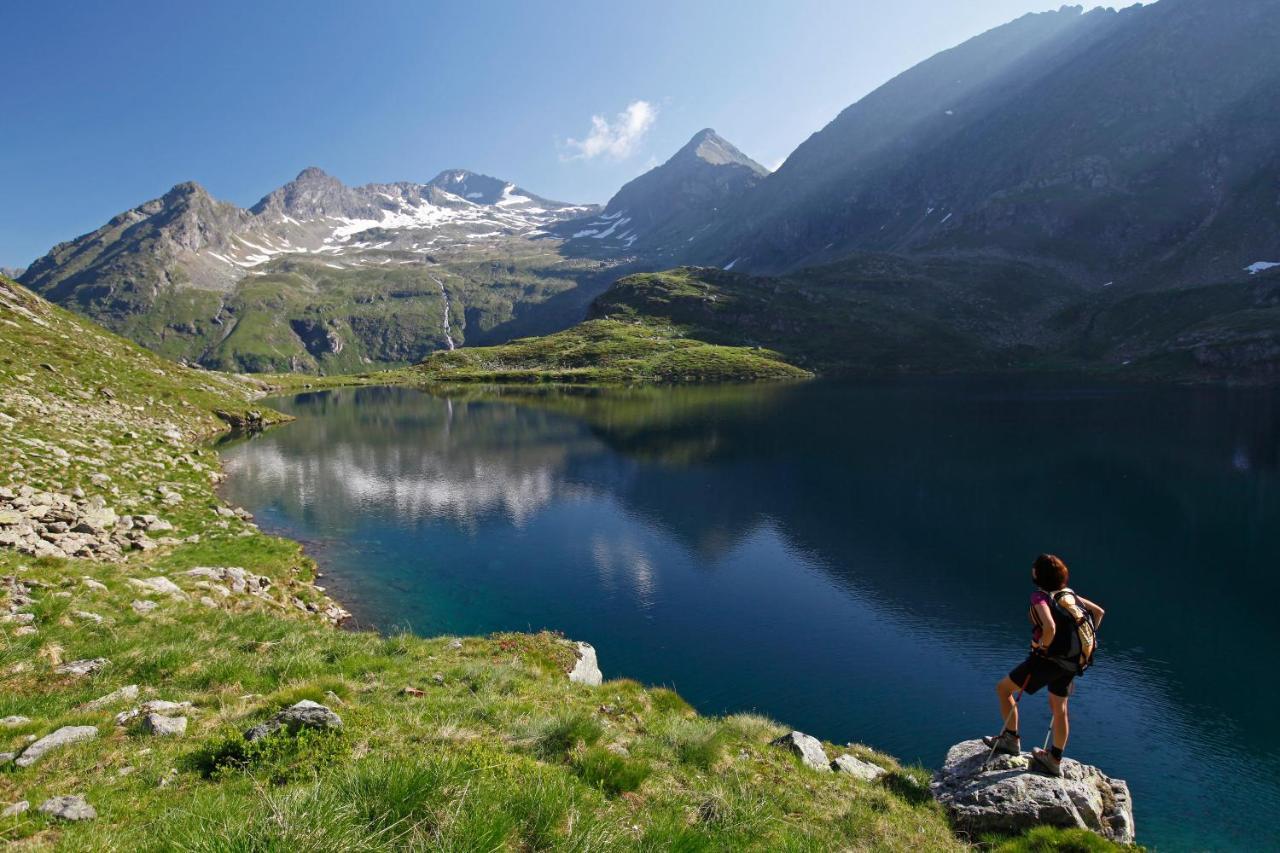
point(850, 558)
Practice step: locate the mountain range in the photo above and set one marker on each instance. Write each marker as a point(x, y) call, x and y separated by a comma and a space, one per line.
point(1070, 173)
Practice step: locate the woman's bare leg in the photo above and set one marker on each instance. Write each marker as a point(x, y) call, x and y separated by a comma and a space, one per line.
point(1061, 727)
point(1008, 708)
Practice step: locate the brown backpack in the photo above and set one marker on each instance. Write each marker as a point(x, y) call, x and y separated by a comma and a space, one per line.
point(1083, 641)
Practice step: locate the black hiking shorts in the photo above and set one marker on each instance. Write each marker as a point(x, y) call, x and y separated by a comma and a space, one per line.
point(1038, 671)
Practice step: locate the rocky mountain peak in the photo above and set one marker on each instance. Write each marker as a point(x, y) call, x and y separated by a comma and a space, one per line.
point(312, 173)
point(710, 147)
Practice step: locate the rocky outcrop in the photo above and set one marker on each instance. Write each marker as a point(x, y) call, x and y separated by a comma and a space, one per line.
point(807, 747)
point(62, 737)
point(1006, 796)
point(587, 669)
point(52, 524)
point(304, 715)
point(250, 421)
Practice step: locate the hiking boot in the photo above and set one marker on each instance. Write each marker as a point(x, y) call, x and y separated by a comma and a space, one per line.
point(1043, 760)
point(1009, 744)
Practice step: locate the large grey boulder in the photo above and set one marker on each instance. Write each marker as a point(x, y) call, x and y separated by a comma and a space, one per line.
point(587, 669)
point(807, 747)
point(62, 737)
point(304, 715)
point(1007, 796)
point(69, 808)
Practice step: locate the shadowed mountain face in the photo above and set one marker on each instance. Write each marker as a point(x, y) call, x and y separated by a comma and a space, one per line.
point(1135, 146)
point(655, 214)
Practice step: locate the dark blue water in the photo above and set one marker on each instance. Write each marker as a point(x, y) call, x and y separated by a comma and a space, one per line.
point(852, 560)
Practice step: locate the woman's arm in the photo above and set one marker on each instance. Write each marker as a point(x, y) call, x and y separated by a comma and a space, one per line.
point(1097, 611)
point(1043, 618)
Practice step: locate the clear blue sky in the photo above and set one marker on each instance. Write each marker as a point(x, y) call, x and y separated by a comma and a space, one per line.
point(106, 105)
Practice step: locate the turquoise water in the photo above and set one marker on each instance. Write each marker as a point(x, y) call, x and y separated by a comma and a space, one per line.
point(851, 559)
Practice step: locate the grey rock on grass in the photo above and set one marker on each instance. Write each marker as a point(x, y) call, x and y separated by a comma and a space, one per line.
point(587, 669)
point(69, 808)
point(158, 724)
point(1007, 796)
point(126, 693)
point(159, 707)
point(858, 768)
point(14, 809)
point(62, 737)
point(807, 747)
point(81, 668)
point(304, 715)
point(14, 720)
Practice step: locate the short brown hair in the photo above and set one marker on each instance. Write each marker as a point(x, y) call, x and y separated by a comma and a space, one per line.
point(1050, 572)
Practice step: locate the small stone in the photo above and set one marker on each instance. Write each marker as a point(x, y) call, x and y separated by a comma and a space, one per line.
point(14, 721)
point(82, 667)
point(159, 585)
point(86, 616)
point(857, 768)
point(25, 631)
point(127, 693)
point(142, 606)
point(97, 586)
point(15, 809)
point(207, 601)
point(164, 726)
point(438, 678)
point(168, 778)
point(69, 808)
point(162, 707)
point(6, 757)
point(807, 747)
point(62, 737)
point(455, 644)
point(412, 691)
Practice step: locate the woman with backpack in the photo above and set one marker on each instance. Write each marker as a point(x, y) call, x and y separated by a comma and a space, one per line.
point(1063, 639)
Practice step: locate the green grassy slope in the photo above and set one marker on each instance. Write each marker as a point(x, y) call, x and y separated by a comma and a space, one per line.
point(870, 314)
point(610, 352)
point(493, 749)
point(306, 316)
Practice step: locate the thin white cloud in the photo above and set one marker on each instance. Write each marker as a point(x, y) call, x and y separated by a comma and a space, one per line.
point(617, 139)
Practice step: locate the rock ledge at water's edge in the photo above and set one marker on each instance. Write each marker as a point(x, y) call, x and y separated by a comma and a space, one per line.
point(1007, 796)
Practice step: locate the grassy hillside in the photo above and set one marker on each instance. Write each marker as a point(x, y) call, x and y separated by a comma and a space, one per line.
point(869, 315)
point(612, 352)
point(306, 316)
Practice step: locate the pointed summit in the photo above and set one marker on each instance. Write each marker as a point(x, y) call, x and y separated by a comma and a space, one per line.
point(711, 147)
point(312, 173)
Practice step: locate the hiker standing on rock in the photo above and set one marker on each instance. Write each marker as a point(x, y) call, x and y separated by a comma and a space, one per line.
point(1063, 639)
